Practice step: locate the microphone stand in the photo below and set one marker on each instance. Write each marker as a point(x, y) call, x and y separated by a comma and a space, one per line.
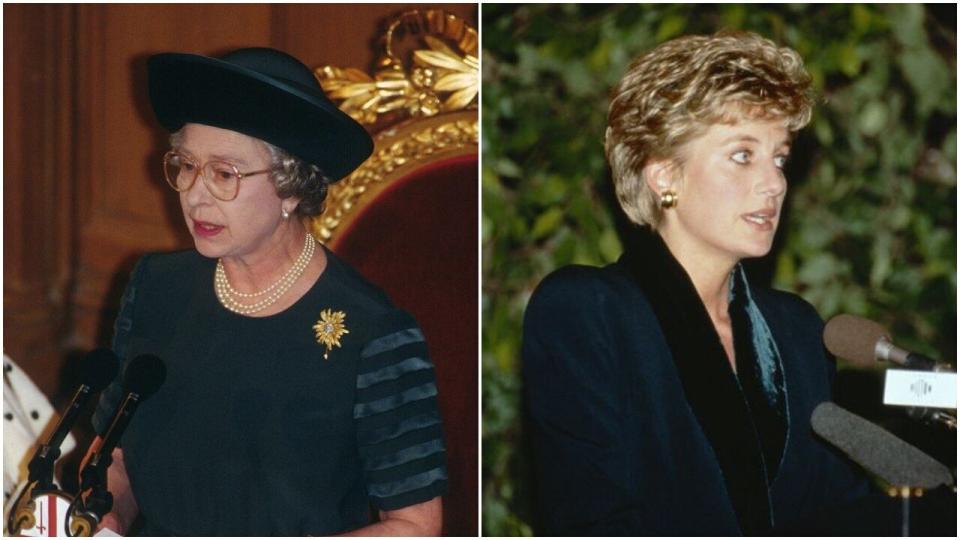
point(35, 499)
point(85, 513)
point(933, 416)
point(904, 494)
point(42, 463)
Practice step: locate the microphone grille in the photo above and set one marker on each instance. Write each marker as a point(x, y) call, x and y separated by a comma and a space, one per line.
point(853, 338)
point(144, 375)
point(878, 450)
point(99, 368)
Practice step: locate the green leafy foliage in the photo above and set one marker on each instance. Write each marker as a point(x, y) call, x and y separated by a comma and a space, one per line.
point(871, 215)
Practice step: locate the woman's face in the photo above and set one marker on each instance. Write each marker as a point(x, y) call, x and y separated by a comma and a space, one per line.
point(248, 223)
point(731, 190)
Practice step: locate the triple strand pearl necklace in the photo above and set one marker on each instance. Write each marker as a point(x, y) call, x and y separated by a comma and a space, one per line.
point(229, 296)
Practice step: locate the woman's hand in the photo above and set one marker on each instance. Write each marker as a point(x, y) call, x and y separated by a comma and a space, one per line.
point(125, 508)
point(423, 519)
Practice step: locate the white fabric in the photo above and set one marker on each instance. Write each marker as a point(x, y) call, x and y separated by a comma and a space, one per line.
point(22, 401)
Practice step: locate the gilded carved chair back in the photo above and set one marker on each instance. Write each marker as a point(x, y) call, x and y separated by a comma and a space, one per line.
point(421, 111)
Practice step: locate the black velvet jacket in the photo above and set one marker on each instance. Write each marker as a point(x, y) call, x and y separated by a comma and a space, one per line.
point(640, 427)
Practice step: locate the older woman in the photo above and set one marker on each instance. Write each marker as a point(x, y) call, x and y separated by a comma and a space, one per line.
point(667, 394)
point(297, 397)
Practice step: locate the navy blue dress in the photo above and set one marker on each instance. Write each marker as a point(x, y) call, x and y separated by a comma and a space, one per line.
point(254, 433)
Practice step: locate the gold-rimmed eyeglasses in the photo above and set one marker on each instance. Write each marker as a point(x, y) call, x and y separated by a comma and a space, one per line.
point(221, 178)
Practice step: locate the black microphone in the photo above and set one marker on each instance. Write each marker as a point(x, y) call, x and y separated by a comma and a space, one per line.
point(877, 450)
point(97, 368)
point(141, 378)
point(865, 343)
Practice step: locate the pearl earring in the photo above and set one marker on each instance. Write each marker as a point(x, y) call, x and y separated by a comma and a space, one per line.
point(284, 213)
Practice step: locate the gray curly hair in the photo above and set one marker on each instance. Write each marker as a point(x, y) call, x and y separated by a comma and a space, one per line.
point(292, 177)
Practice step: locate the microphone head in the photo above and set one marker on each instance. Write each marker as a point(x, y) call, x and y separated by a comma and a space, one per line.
point(99, 368)
point(144, 375)
point(877, 450)
point(854, 338)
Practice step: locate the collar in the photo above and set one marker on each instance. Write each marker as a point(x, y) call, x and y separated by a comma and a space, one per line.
point(710, 386)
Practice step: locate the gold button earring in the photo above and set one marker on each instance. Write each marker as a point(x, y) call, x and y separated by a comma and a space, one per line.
point(668, 199)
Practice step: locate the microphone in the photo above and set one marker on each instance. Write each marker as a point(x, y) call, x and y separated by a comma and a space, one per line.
point(39, 498)
point(865, 343)
point(142, 377)
point(877, 450)
point(98, 369)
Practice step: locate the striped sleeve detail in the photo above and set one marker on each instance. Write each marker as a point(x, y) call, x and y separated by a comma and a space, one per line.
point(392, 341)
point(389, 373)
point(394, 401)
point(399, 429)
point(111, 396)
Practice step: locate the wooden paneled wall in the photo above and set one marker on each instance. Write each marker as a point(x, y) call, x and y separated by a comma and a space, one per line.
point(83, 192)
point(39, 187)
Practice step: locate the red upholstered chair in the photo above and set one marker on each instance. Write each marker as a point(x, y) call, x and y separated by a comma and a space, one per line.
point(407, 220)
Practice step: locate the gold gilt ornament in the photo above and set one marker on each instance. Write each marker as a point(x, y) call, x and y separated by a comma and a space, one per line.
point(441, 78)
point(330, 329)
point(396, 151)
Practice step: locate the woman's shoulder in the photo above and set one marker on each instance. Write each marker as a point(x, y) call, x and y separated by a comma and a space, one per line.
point(162, 263)
point(170, 268)
point(577, 301)
point(355, 288)
point(365, 303)
point(585, 287)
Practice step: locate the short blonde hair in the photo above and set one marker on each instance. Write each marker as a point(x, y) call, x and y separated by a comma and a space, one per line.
point(673, 93)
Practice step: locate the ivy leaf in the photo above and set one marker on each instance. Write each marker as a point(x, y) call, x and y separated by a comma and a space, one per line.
point(873, 117)
point(546, 223)
point(927, 74)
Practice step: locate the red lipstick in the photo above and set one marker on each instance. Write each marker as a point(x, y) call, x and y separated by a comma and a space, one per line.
point(206, 230)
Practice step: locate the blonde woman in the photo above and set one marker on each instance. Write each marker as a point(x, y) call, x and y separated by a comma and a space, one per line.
point(667, 394)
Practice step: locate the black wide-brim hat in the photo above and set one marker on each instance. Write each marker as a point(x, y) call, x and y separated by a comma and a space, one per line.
point(263, 93)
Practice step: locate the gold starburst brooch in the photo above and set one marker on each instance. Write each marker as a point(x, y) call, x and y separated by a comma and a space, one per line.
point(330, 328)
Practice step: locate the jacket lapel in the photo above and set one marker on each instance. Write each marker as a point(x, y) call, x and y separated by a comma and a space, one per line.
point(710, 386)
